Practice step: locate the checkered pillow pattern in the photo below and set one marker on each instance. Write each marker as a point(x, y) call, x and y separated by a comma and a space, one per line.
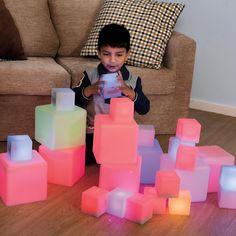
point(149, 22)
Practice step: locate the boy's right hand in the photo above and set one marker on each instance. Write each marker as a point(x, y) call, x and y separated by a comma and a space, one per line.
point(95, 88)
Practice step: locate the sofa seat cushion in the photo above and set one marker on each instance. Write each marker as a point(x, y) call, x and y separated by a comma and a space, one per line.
point(153, 81)
point(35, 76)
point(33, 21)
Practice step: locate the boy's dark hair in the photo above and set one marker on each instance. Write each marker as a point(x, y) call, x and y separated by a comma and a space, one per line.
point(114, 35)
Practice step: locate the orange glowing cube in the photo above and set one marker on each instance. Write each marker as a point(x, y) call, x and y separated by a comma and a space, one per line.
point(181, 204)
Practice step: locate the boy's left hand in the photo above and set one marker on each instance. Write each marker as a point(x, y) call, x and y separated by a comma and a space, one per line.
point(125, 89)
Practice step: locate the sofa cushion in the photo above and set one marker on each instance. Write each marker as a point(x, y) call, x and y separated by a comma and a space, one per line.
point(150, 24)
point(153, 81)
point(35, 76)
point(10, 41)
point(33, 21)
point(73, 20)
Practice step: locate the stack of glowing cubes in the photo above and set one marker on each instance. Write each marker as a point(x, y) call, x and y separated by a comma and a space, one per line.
point(60, 127)
point(115, 147)
point(227, 188)
point(183, 157)
point(150, 151)
point(23, 172)
point(116, 150)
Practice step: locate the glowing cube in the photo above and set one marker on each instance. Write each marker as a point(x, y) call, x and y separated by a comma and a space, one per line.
point(167, 183)
point(111, 86)
point(181, 204)
point(117, 199)
point(59, 129)
point(186, 157)
point(19, 147)
point(65, 166)
point(227, 191)
point(94, 201)
point(146, 135)
point(166, 162)
point(159, 204)
point(150, 162)
point(24, 181)
point(188, 130)
point(173, 146)
point(215, 157)
point(139, 208)
point(125, 176)
point(122, 110)
point(115, 143)
point(195, 181)
point(63, 99)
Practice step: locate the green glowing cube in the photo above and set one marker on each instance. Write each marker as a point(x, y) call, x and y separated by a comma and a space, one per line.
point(60, 129)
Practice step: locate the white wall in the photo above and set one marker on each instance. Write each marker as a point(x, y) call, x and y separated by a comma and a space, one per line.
point(212, 24)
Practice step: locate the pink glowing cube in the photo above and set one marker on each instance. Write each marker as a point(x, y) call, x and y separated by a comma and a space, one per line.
point(181, 204)
point(65, 166)
point(117, 199)
point(215, 157)
point(115, 142)
point(166, 162)
point(146, 135)
point(186, 157)
point(94, 201)
point(188, 130)
point(159, 204)
point(122, 110)
point(195, 181)
point(139, 208)
point(167, 183)
point(125, 176)
point(23, 181)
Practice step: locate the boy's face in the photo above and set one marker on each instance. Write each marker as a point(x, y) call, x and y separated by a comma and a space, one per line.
point(113, 58)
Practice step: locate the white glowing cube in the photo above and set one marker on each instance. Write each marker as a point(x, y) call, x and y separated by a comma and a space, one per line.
point(19, 147)
point(63, 99)
point(146, 135)
point(58, 129)
point(227, 190)
point(117, 199)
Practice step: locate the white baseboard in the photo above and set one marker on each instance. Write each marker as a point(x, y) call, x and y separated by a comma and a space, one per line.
point(212, 107)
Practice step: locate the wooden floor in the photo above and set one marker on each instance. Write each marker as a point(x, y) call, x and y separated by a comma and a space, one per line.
point(60, 213)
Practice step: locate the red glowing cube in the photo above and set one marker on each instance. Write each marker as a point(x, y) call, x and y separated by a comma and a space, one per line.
point(167, 183)
point(94, 201)
point(186, 157)
point(65, 166)
point(115, 142)
point(139, 208)
point(188, 130)
point(23, 181)
point(159, 204)
point(122, 109)
point(181, 204)
point(125, 176)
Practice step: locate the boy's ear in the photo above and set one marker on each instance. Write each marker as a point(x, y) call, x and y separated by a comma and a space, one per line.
point(128, 54)
point(99, 54)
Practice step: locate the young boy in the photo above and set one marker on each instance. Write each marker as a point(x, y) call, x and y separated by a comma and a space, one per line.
point(113, 51)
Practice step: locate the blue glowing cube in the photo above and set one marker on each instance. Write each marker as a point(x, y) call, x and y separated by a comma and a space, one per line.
point(63, 99)
point(19, 147)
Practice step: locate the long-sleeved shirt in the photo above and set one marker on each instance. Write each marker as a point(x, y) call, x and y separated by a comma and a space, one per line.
point(96, 104)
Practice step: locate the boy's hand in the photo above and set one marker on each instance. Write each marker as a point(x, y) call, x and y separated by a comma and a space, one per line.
point(93, 89)
point(125, 89)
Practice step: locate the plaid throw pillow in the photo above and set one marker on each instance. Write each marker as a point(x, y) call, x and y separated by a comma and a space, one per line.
point(149, 22)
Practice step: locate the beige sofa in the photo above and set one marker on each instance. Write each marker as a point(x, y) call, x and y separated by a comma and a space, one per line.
point(53, 33)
